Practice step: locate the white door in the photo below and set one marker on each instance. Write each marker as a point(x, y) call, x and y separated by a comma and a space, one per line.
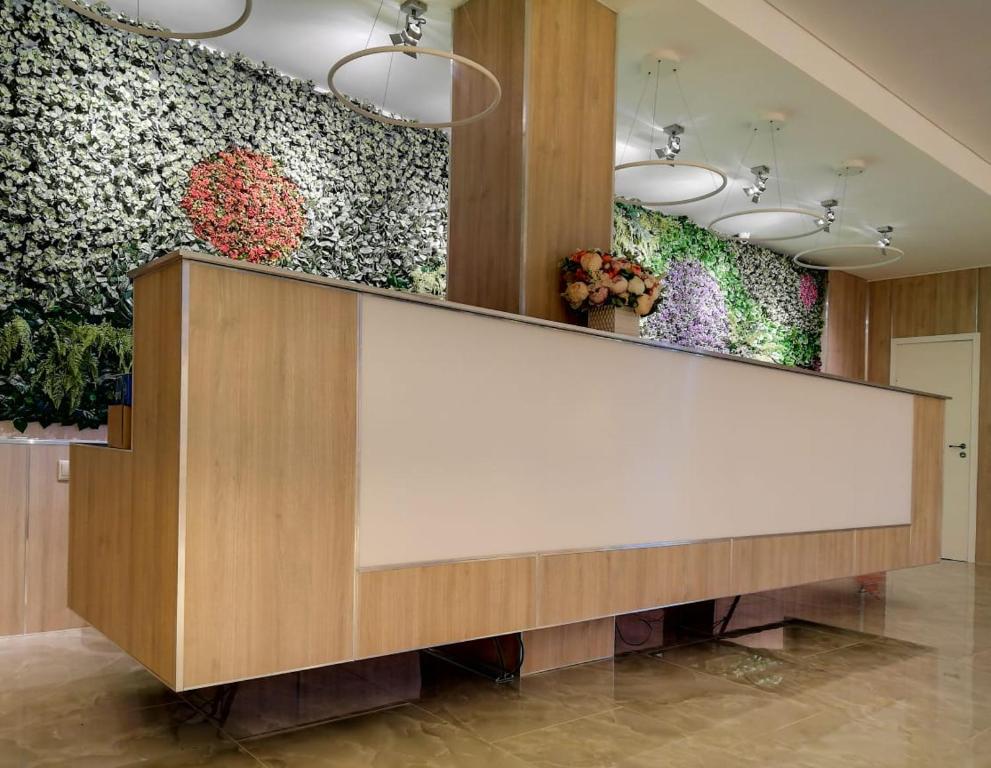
point(948, 365)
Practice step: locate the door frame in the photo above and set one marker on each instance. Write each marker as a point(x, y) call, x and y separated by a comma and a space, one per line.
point(975, 340)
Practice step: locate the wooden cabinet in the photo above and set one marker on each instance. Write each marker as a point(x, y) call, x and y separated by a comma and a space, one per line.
point(13, 532)
point(34, 527)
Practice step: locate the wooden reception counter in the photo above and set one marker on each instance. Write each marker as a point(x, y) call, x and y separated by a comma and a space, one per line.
point(323, 472)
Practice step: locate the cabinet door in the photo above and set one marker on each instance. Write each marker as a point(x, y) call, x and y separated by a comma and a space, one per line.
point(13, 523)
point(48, 543)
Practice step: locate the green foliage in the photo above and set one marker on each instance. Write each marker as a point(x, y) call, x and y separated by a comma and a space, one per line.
point(74, 356)
point(760, 289)
point(98, 131)
point(14, 336)
point(69, 379)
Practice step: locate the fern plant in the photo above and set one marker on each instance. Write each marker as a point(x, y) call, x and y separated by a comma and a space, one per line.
point(58, 369)
point(74, 358)
point(14, 336)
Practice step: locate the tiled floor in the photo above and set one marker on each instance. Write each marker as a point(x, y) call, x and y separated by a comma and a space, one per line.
point(902, 679)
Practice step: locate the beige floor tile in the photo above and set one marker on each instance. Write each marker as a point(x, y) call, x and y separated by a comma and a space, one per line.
point(171, 736)
point(404, 737)
point(598, 741)
point(56, 675)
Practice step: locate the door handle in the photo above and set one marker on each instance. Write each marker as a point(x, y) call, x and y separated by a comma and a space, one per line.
point(962, 446)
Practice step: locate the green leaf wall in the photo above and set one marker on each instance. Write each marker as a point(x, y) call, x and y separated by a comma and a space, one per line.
point(98, 131)
point(722, 295)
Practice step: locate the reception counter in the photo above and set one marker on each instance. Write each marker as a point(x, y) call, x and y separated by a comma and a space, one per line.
point(323, 472)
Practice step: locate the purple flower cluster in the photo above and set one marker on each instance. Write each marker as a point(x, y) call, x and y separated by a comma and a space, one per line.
point(808, 291)
point(692, 311)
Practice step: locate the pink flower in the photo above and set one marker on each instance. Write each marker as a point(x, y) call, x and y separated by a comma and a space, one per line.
point(808, 291)
point(239, 202)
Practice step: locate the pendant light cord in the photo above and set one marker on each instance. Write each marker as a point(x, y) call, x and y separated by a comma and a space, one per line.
point(636, 118)
point(691, 116)
point(371, 32)
point(653, 116)
point(743, 162)
point(388, 73)
point(777, 168)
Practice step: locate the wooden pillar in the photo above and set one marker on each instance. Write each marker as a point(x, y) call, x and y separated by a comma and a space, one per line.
point(534, 180)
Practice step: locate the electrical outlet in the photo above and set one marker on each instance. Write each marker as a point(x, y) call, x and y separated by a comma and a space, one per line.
point(63, 470)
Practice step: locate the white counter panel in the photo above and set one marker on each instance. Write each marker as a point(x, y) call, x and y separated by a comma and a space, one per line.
point(481, 437)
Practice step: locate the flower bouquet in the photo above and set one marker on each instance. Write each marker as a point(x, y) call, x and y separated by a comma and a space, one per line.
point(593, 279)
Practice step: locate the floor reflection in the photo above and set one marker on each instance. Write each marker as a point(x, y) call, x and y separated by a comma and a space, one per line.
point(895, 672)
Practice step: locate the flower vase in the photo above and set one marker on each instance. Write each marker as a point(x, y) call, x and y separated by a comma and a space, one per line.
point(622, 320)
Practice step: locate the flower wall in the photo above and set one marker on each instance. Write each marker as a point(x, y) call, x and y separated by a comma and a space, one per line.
point(99, 131)
point(721, 295)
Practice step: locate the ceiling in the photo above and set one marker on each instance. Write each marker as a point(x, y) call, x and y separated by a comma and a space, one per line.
point(731, 84)
point(933, 55)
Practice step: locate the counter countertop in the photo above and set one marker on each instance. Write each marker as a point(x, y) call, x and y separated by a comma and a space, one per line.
point(186, 255)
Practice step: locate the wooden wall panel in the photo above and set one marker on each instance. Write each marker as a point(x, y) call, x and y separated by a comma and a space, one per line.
point(587, 585)
point(406, 608)
point(927, 480)
point(934, 305)
point(270, 488)
point(155, 440)
point(485, 245)
point(564, 646)
point(846, 317)
point(102, 563)
point(570, 141)
point(123, 536)
point(770, 562)
point(13, 528)
point(48, 544)
point(983, 542)
point(879, 332)
point(931, 305)
point(883, 549)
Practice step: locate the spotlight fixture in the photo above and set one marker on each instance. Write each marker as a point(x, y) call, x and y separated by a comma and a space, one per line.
point(742, 235)
point(670, 150)
point(838, 255)
point(407, 41)
point(628, 175)
point(95, 13)
point(827, 218)
point(412, 33)
point(761, 174)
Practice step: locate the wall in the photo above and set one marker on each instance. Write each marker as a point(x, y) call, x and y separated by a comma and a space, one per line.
point(844, 341)
point(721, 295)
point(98, 131)
point(933, 305)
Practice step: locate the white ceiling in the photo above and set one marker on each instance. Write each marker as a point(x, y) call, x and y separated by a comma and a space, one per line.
point(731, 83)
point(933, 54)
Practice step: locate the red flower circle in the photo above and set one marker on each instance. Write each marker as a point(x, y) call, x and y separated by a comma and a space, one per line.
point(240, 203)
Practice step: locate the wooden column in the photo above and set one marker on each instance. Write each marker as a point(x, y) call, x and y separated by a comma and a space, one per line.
point(534, 180)
point(846, 332)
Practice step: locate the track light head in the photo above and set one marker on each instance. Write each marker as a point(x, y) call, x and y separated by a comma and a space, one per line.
point(829, 216)
point(885, 232)
point(761, 174)
point(670, 150)
point(412, 33)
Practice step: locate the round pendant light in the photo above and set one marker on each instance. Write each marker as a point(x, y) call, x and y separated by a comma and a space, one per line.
point(408, 50)
point(885, 255)
point(817, 223)
point(877, 254)
point(664, 157)
point(723, 181)
point(812, 222)
point(406, 42)
point(89, 12)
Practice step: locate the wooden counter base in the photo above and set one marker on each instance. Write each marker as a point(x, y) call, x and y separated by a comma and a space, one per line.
point(223, 545)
